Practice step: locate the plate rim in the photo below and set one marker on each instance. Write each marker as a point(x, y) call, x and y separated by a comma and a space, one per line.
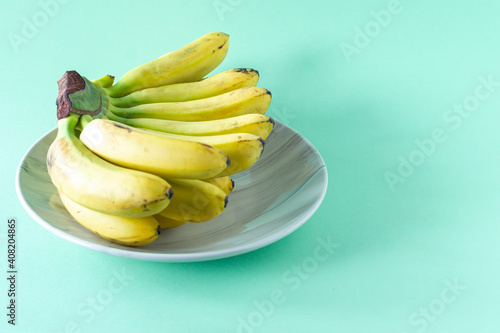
point(176, 257)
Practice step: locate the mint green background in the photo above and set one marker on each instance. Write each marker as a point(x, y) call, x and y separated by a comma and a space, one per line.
point(398, 249)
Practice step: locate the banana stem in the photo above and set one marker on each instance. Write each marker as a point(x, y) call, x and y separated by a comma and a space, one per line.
point(66, 126)
point(85, 120)
point(111, 116)
point(104, 82)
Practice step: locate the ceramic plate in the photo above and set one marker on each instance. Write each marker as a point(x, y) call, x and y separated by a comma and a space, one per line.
point(269, 201)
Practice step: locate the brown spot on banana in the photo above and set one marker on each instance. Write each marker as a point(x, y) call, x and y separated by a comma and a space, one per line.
point(220, 47)
point(246, 70)
point(129, 130)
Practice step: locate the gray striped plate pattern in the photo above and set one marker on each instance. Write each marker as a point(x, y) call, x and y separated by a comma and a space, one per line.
point(269, 201)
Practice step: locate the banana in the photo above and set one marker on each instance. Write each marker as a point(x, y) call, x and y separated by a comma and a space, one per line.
point(99, 185)
point(231, 104)
point(172, 155)
point(224, 183)
point(153, 152)
point(253, 123)
point(194, 201)
point(242, 149)
point(156, 149)
point(189, 63)
point(130, 231)
point(215, 85)
point(167, 223)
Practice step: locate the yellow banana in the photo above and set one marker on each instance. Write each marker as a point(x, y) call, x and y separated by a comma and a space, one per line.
point(167, 223)
point(150, 150)
point(130, 231)
point(224, 183)
point(99, 185)
point(215, 85)
point(242, 149)
point(194, 201)
point(153, 152)
point(231, 104)
point(253, 123)
point(189, 63)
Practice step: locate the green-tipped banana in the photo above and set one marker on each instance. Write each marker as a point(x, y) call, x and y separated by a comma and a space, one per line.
point(190, 63)
point(152, 151)
point(212, 86)
point(168, 223)
point(99, 185)
point(130, 231)
point(224, 183)
point(231, 104)
point(194, 201)
point(254, 123)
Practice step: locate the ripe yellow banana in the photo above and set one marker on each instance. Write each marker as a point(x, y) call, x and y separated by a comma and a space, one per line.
point(231, 104)
point(164, 154)
point(189, 63)
point(253, 123)
point(194, 201)
point(153, 152)
point(130, 231)
point(164, 142)
point(224, 183)
point(242, 149)
point(99, 185)
point(214, 85)
point(167, 223)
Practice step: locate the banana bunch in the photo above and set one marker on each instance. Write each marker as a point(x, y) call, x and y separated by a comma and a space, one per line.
point(157, 149)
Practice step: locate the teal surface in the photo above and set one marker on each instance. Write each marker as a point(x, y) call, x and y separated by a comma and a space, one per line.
point(401, 98)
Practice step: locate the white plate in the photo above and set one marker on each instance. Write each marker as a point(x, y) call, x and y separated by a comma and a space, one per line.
point(270, 200)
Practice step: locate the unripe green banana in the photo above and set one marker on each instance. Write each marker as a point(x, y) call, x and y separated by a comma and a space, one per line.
point(130, 231)
point(214, 85)
point(153, 152)
point(189, 63)
point(224, 183)
point(194, 201)
point(231, 104)
point(99, 185)
point(253, 123)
